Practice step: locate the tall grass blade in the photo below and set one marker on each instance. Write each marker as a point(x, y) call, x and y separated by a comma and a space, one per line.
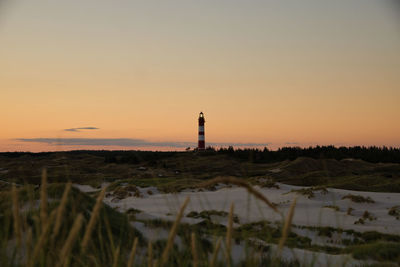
point(43, 198)
point(60, 210)
point(194, 251)
point(16, 216)
point(150, 255)
point(116, 257)
point(73, 234)
point(29, 243)
point(215, 253)
point(44, 235)
point(132, 254)
point(229, 236)
point(286, 227)
point(172, 233)
point(241, 183)
point(93, 219)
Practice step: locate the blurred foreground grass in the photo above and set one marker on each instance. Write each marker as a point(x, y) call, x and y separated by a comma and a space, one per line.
point(58, 225)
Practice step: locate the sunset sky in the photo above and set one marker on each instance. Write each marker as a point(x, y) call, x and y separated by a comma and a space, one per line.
point(136, 74)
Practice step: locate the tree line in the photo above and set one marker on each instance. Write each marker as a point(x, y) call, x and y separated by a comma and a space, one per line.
point(371, 154)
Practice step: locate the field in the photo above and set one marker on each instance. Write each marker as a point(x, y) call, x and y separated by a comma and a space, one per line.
point(196, 209)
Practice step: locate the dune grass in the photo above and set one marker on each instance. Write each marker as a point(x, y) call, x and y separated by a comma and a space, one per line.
point(57, 225)
point(66, 229)
point(382, 251)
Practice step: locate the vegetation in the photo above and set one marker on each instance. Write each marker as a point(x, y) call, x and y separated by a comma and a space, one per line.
point(207, 214)
point(310, 192)
point(49, 235)
point(268, 183)
point(92, 234)
point(358, 199)
point(334, 207)
point(395, 211)
point(370, 154)
point(75, 229)
point(350, 210)
point(382, 251)
point(176, 171)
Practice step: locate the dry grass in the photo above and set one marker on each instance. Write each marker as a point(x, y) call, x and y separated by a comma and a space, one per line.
point(47, 230)
point(93, 218)
point(72, 251)
point(172, 233)
point(150, 255)
point(286, 227)
point(215, 253)
point(42, 239)
point(358, 198)
point(60, 210)
point(48, 235)
point(29, 242)
point(194, 251)
point(43, 197)
point(241, 183)
point(66, 250)
point(54, 222)
point(229, 236)
point(133, 252)
point(116, 256)
point(16, 217)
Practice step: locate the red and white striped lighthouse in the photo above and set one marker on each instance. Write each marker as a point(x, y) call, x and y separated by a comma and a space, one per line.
point(202, 141)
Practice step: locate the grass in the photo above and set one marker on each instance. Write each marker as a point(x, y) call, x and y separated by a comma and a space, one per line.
point(206, 214)
point(165, 185)
point(377, 251)
point(267, 182)
point(76, 230)
point(358, 198)
point(91, 233)
point(72, 224)
point(395, 212)
point(71, 228)
point(94, 168)
point(310, 192)
point(366, 216)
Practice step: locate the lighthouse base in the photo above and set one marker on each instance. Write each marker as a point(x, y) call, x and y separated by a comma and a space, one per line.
point(202, 145)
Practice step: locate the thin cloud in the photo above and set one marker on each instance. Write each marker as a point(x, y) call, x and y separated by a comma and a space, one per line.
point(126, 142)
point(80, 128)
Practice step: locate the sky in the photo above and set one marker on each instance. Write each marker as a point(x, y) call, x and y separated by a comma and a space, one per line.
point(135, 74)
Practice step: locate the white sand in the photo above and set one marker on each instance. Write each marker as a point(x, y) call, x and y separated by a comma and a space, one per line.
point(85, 188)
point(88, 188)
point(309, 212)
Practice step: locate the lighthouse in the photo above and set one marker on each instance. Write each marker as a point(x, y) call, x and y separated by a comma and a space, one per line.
point(202, 141)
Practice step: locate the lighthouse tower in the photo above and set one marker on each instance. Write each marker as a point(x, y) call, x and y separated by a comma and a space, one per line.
point(202, 142)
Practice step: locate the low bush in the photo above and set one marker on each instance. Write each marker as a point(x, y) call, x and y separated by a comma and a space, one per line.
point(395, 211)
point(358, 198)
point(377, 251)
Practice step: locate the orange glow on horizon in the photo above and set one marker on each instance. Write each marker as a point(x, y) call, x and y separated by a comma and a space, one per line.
point(261, 72)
